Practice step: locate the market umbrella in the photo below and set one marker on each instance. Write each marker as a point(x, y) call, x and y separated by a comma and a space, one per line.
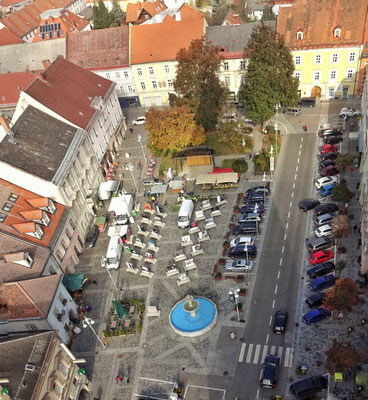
point(120, 310)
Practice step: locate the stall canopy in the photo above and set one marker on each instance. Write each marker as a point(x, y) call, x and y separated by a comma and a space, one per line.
point(227, 178)
point(206, 179)
point(120, 230)
point(121, 312)
point(158, 189)
point(73, 282)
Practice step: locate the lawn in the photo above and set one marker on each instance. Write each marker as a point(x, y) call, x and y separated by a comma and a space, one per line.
point(166, 163)
point(221, 149)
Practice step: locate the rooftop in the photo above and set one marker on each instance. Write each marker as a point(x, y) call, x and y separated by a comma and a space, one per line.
point(7, 37)
point(232, 18)
point(40, 143)
point(69, 90)
point(15, 353)
point(318, 20)
point(134, 11)
point(181, 13)
point(100, 48)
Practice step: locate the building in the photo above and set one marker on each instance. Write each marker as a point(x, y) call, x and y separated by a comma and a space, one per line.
point(231, 41)
point(232, 18)
point(24, 23)
point(105, 52)
point(83, 100)
point(325, 38)
point(9, 6)
point(137, 13)
point(153, 55)
point(37, 366)
point(7, 37)
point(30, 57)
point(55, 160)
point(58, 23)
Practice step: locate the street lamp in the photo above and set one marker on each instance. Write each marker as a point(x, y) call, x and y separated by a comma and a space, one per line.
point(89, 322)
point(140, 142)
point(104, 265)
point(264, 187)
point(271, 162)
point(233, 297)
point(130, 167)
point(276, 123)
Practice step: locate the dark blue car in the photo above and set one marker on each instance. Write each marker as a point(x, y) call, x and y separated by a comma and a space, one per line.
point(250, 208)
point(322, 283)
point(315, 315)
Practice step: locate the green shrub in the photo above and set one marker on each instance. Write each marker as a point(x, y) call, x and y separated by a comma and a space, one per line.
point(240, 166)
point(261, 163)
point(139, 328)
point(106, 334)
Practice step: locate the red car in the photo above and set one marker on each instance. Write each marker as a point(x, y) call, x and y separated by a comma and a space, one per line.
point(328, 148)
point(320, 256)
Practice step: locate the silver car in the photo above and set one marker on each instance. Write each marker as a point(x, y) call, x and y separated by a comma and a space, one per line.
point(239, 265)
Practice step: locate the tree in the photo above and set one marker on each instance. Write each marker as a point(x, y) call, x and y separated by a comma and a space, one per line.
point(118, 13)
point(269, 79)
point(102, 18)
point(341, 356)
point(341, 193)
point(343, 161)
point(1, 14)
point(236, 137)
point(340, 227)
point(198, 83)
point(172, 129)
point(342, 296)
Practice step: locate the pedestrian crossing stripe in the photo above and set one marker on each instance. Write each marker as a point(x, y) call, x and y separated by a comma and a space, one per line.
point(285, 354)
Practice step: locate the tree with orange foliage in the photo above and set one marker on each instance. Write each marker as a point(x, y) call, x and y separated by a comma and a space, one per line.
point(172, 129)
point(343, 296)
point(341, 356)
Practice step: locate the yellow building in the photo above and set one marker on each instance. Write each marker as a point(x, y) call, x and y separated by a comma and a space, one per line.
point(326, 43)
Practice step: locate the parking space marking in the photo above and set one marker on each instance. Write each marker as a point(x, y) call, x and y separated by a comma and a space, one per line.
point(270, 320)
point(242, 351)
point(256, 354)
point(280, 261)
point(258, 389)
point(273, 303)
point(283, 249)
point(249, 354)
point(265, 348)
point(276, 287)
point(278, 275)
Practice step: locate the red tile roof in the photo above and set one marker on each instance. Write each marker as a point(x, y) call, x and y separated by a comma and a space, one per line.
point(8, 3)
point(7, 37)
point(10, 84)
point(99, 48)
point(232, 18)
point(134, 11)
point(31, 214)
point(25, 227)
point(39, 202)
point(28, 18)
point(69, 90)
point(318, 19)
point(162, 41)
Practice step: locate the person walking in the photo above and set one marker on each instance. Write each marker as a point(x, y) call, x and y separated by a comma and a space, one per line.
point(119, 379)
point(351, 169)
point(355, 228)
point(232, 335)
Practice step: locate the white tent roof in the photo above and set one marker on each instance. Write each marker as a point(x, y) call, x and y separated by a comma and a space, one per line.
point(206, 178)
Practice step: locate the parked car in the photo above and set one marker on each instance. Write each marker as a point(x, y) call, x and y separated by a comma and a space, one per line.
point(139, 121)
point(308, 387)
point(325, 180)
point(265, 189)
point(242, 251)
point(326, 208)
point(327, 148)
point(328, 156)
point(307, 204)
point(270, 371)
point(316, 244)
point(349, 112)
point(92, 236)
point(228, 117)
point(252, 208)
point(279, 322)
point(326, 163)
point(315, 315)
point(152, 181)
point(320, 269)
point(257, 217)
point(320, 256)
point(307, 102)
point(315, 300)
point(322, 283)
point(329, 132)
point(324, 231)
point(291, 111)
point(332, 140)
point(255, 196)
point(327, 190)
point(241, 240)
point(323, 219)
point(249, 227)
point(329, 171)
point(239, 266)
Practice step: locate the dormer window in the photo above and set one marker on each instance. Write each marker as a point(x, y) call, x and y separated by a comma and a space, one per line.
point(299, 35)
point(337, 32)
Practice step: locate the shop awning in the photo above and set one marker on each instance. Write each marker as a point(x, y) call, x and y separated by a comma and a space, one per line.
point(158, 189)
point(120, 230)
point(73, 282)
point(231, 177)
point(209, 179)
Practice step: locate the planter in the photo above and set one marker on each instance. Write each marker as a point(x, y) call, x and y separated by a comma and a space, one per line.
point(231, 227)
point(215, 269)
point(221, 261)
point(240, 278)
point(242, 292)
point(225, 245)
point(229, 277)
point(224, 252)
point(239, 307)
point(341, 250)
point(236, 210)
point(240, 197)
point(218, 276)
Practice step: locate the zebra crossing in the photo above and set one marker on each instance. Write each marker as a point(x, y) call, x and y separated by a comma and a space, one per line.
point(251, 353)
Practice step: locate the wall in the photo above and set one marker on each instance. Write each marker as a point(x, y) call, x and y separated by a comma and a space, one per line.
point(234, 73)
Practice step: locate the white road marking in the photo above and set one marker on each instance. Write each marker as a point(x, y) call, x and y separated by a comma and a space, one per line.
point(294, 186)
point(302, 140)
point(268, 336)
point(242, 351)
point(276, 287)
point(287, 355)
point(291, 204)
point(249, 354)
point(289, 214)
point(287, 225)
point(292, 194)
point(265, 348)
point(278, 275)
point(300, 146)
point(273, 303)
point(273, 348)
point(270, 320)
point(285, 236)
point(280, 261)
point(291, 359)
point(256, 354)
point(298, 161)
point(156, 380)
point(258, 389)
point(283, 249)
point(202, 387)
point(297, 167)
point(300, 152)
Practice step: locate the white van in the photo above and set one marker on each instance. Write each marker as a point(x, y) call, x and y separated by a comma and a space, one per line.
point(185, 213)
point(114, 251)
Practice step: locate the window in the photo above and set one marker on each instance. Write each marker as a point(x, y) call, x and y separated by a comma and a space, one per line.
point(226, 66)
point(139, 71)
point(333, 74)
point(242, 65)
point(75, 381)
point(13, 197)
point(130, 89)
point(80, 241)
point(64, 245)
point(143, 86)
point(317, 75)
point(150, 69)
point(7, 206)
point(331, 92)
point(31, 327)
point(154, 84)
point(118, 75)
point(298, 60)
point(350, 73)
point(121, 87)
point(170, 83)
point(334, 58)
point(227, 80)
point(299, 35)
point(317, 59)
point(63, 368)
point(57, 389)
point(107, 75)
point(77, 251)
point(337, 32)
point(126, 75)
point(2, 217)
point(167, 69)
point(298, 74)
point(72, 224)
point(59, 256)
point(351, 57)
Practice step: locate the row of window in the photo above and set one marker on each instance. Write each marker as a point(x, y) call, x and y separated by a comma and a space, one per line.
point(242, 65)
point(334, 58)
point(336, 34)
point(151, 70)
point(317, 75)
point(117, 75)
point(51, 34)
point(170, 84)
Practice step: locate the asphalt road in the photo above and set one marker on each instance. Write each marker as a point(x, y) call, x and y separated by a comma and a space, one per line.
point(279, 271)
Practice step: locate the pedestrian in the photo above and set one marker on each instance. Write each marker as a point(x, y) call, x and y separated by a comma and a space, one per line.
point(232, 335)
point(119, 379)
point(305, 128)
point(131, 131)
point(351, 169)
point(355, 228)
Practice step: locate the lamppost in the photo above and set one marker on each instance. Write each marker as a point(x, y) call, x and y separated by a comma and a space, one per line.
point(104, 265)
point(271, 162)
point(140, 142)
point(233, 297)
point(89, 322)
point(276, 123)
point(130, 167)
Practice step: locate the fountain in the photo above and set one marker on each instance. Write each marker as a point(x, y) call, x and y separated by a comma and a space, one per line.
point(193, 316)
